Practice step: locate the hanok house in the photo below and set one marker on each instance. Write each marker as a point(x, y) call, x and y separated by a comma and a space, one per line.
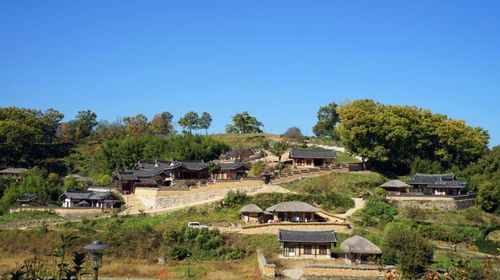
point(91, 199)
point(294, 211)
point(127, 181)
point(183, 170)
point(437, 184)
point(14, 172)
point(359, 250)
point(251, 213)
point(240, 154)
point(312, 158)
point(307, 244)
point(27, 199)
point(396, 187)
point(232, 171)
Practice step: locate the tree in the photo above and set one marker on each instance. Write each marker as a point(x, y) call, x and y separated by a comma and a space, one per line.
point(136, 125)
point(278, 149)
point(190, 121)
point(404, 246)
point(328, 118)
point(213, 168)
point(294, 134)
point(244, 123)
point(205, 121)
point(161, 124)
point(394, 136)
point(85, 122)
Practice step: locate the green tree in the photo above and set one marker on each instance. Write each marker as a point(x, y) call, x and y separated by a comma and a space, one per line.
point(405, 247)
point(205, 121)
point(85, 121)
point(294, 134)
point(278, 149)
point(328, 118)
point(244, 123)
point(190, 121)
point(377, 212)
point(136, 125)
point(213, 168)
point(161, 124)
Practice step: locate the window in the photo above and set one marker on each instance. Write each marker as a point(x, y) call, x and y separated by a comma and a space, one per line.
point(307, 250)
point(322, 249)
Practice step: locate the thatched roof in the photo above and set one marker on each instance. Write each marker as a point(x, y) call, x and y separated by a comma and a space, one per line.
point(359, 245)
point(292, 206)
point(395, 184)
point(251, 208)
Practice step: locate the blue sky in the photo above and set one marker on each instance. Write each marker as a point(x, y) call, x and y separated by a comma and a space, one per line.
point(279, 60)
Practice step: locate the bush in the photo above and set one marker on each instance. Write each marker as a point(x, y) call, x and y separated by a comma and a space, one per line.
point(406, 248)
point(177, 252)
point(380, 191)
point(377, 212)
point(235, 198)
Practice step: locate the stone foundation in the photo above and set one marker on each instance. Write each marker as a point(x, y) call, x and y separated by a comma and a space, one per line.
point(345, 272)
point(433, 202)
point(267, 270)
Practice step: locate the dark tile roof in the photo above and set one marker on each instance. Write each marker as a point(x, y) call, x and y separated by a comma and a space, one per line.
point(27, 197)
point(447, 180)
point(88, 195)
point(307, 236)
point(314, 154)
point(233, 166)
point(239, 153)
point(13, 170)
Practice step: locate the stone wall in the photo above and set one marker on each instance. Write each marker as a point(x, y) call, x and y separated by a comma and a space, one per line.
point(267, 270)
point(273, 228)
point(433, 202)
point(151, 200)
point(345, 272)
point(71, 213)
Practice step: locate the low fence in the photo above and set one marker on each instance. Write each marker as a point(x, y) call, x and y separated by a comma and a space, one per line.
point(267, 270)
point(312, 226)
point(74, 212)
point(347, 272)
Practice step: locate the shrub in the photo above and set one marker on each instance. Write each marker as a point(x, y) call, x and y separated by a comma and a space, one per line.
point(380, 191)
point(377, 212)
point(235, 198)
point(405, 247)
point(177, 252)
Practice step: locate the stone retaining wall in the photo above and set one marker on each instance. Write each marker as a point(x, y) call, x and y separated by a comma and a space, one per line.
point(65, 212)
point(267, 270)
point(432, 202)
point(345, 272)
point(274, 228)
point(175, 199)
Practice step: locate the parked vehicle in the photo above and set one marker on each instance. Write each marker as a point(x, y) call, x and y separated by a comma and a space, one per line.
point(197, 225)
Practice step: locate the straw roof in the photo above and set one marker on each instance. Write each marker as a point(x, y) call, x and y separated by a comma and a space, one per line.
point(251, 208)
point(395, 184)
point(359, 245)
point(292, 206)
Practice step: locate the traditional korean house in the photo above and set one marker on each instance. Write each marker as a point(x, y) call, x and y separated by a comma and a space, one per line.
point(27, 199)
point(359, 250)
point(312, 158)
point(232, 171)
point(294, 211)
point(12, 171)
point(92, 199)
point(307, 244)
point(396, 187)
point(182, 170)
point(437, 184)
point(240, 155)
point(251, 213)
point(127, 181)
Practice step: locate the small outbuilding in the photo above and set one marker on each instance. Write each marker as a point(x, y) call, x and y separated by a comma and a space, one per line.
point(359, 250)
point(294, 211)
point(27, 199)
point(312, 158)
point(307, 244)
point(396, 187)
point(251, 213)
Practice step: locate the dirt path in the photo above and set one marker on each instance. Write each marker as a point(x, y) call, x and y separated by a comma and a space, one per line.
point(359, 203)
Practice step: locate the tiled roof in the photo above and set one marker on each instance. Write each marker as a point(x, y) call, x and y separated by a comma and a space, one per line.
point(314, 154)
point(233, 166)
point(292, 206)
point(27, 197)
point(307, 236)
point(437, 180)
point(13, 170)
point(89, 195)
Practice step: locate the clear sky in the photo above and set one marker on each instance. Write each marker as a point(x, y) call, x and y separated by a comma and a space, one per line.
point(279, 60)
